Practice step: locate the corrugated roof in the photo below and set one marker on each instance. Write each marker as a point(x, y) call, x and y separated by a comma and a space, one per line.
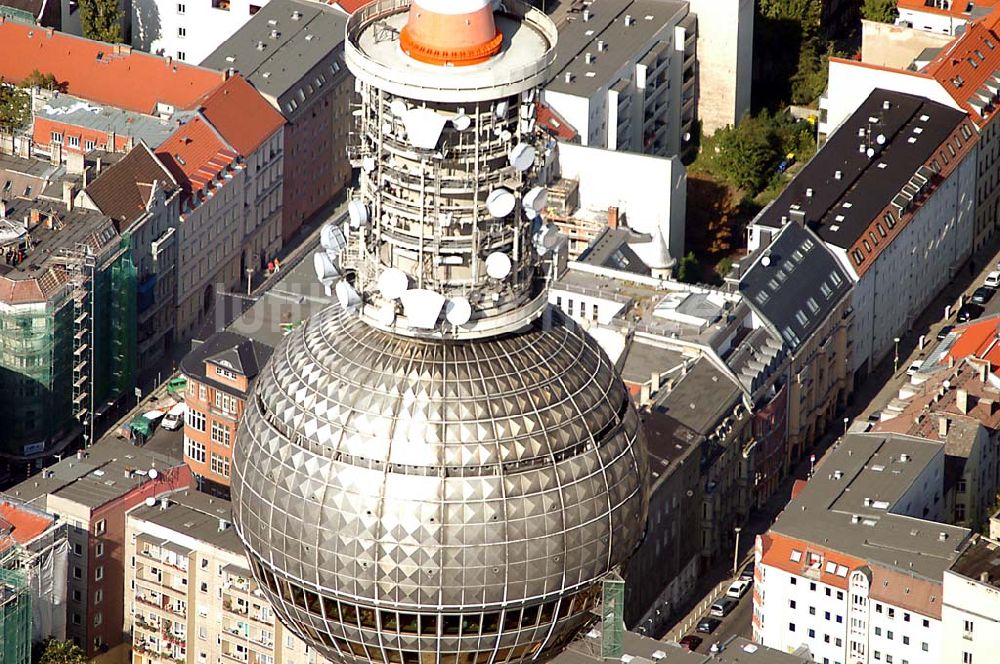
point(242, 117)
point(107, 73)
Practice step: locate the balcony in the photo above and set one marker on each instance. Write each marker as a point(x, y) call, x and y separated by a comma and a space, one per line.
point(235, 607)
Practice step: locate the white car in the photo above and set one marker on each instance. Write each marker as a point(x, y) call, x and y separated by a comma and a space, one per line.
point(914, 367)
point(174, 419)
point(738, 588)
point(992, 279)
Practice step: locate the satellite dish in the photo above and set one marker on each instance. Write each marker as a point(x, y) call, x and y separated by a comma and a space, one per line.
point(423, 127)
point(880, 139)
point(326, 271)
point(458, 311)
point(505, 135)
point(498, 265)
point(153, 474)
point(535, 199)
point(501, 109)
point(393, 282)
point(870, 152)
point(387, 128)
point(765, 261)
point(347, 296)
point(521, 156)
point(461, 122)
point(331, 238)
point(386, 314)
point(422, 307)
point(358, 213)
point(368, 163)
point(150, 501)
point(398, 107)
point(500, 202)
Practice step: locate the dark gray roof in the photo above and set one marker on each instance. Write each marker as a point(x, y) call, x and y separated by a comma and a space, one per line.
point(611, 249)
point(299, 56)
point(800, 285)
point(229, 350)
point(701, 397)
point(196, 515)
point(840, 210)
point(607, 23)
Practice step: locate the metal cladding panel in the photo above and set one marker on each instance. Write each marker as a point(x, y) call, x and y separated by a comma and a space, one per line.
point(403, 498)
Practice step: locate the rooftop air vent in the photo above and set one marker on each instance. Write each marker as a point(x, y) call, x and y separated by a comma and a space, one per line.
point(275, 34)
point(261, 46)
point(589, 58)
point(601, 45)
point(628, 20)
point(568, 77)
point(296, 15)
point(838, 175)
point(586, 15)
point(886, 105)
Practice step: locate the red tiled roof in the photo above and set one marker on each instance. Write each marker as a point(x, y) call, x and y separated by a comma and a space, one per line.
point(555, 124)
point(350, 6)
point(921, 596)
point(25, 525)
point(777, 552)
point(195, 154)
point(241, 115)
point(110, 74)
point(957, 8)
point(967, 68)
point(979, 339)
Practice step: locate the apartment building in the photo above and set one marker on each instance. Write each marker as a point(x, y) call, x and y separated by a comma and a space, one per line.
point(892, 195)
point(947, 17)
point(143, 199)
point(220, 373)
point(853, 568)
point(624, 75)
point(970, 615)
point(187, 31)
point(959, 75)
point(802, 293)
point(300, 71)
point(191, 597)
point(91, 492)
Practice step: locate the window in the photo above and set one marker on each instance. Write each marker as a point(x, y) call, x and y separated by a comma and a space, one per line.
point(791, 627)
point(226, 373)
point(966, 658)
point(77, 595)
point(98, 572)
point(98, 619)
point(201, 392)
point(181, 8)
point(77, 549)
point(182, 32)
point(812, 610)
point(76, 619)
point(924, 646)
point(194, 450)
point(196, 420)
point(888, 635)
point(878, 631)
point(204, 587)
point(73, 141)
point(57, 137)
point(826, 615)
point(220, 465)
point(227, 403)
point(961, 486)
point(968, 627)
point(959, 511)
point(906, 640)
point(892, 612)
point(98, 596)
point(791, 604)
point(812, 634)
point(77, 573)
point(181, 56)
point(927, 623)
point(220, 434)
point(812, 586)
point(793, 580)
point(89, 144)
point(99, 549)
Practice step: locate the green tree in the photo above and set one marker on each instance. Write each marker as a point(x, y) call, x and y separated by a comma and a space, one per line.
point(101, 20)
point(37, 79)
point(15, 107)
point(689, 269)
point(748, 154)
point(62, 652)
point(883, 11)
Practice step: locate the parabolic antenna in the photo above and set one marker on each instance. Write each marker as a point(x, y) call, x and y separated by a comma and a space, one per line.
point(326, 271)
point(500, 202)
point(347, 296)
point(498, 265)
point(461, 122)
point(422, 307)
point(392, 283)
point(521, 156)
point(358, 213)
point(331, 238)
point(386, 314)
point(458, 311)
point(398, 107)
point(423, 127)
point(150, 501)
point(153, 473)
point(501, 109)
point(535, 199)
point(368, 163)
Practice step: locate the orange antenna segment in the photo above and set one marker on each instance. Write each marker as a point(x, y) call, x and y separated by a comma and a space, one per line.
point(451, 32)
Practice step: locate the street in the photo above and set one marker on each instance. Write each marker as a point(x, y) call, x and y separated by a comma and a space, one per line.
point(736, 623)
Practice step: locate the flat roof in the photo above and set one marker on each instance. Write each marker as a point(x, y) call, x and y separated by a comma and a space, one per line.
point(606, 23)
point(196, 515)
point(840, 209)
point(979, 562)
point(700, 397)
point(866, 475)
point(150, 129)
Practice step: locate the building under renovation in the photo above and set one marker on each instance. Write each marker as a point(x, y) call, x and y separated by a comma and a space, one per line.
point(67, 311)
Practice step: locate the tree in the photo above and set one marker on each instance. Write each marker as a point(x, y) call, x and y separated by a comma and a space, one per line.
point(62, 652)
point(37, 79)
point(15, 107)
point(883, 11)
point(748, 154)
point(688, 269)
point(101, 20)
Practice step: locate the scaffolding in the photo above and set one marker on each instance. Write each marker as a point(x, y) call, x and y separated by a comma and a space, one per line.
point(15, 610)
point(612, 616)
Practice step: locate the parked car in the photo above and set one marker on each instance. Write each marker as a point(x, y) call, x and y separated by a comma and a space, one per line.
point(969, 311)
point(992, 279)
point(738, 588)
point(691, 642)
point(914, 367)
point(723, 607)
point(174, 418)
point(875, 417)
point(708, 625)
point(747, 572)
point(944, 331)
point(982, 295)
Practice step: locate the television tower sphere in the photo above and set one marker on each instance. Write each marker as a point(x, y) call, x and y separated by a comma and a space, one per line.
point(440, 468)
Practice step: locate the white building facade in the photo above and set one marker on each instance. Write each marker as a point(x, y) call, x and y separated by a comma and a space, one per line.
point(725, 61)
point(188, 31)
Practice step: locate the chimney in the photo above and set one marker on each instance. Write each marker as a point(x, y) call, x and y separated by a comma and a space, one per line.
point(589, 58)
point(962, 400)
point(69, 192)
point(568, 77)
point(984, 577)
point(223, 525)
point(3, 209)
point(838, 175)
point(798, 216)
point(34, 218)
point(613, 217)
point(984, 370)
point(654, 382)
point(601, 45)
point(586, 15)
point(164, 503)
point(943, 423)
point(628, 20)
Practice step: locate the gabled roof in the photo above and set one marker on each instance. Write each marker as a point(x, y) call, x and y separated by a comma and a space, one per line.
point(123, 191)
point(969, 68)
point(196, 155)
point(106, 73)
point(979, 339)
point(20, 523)
point(241, 115)
point(251, 354)
point(240, 358)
